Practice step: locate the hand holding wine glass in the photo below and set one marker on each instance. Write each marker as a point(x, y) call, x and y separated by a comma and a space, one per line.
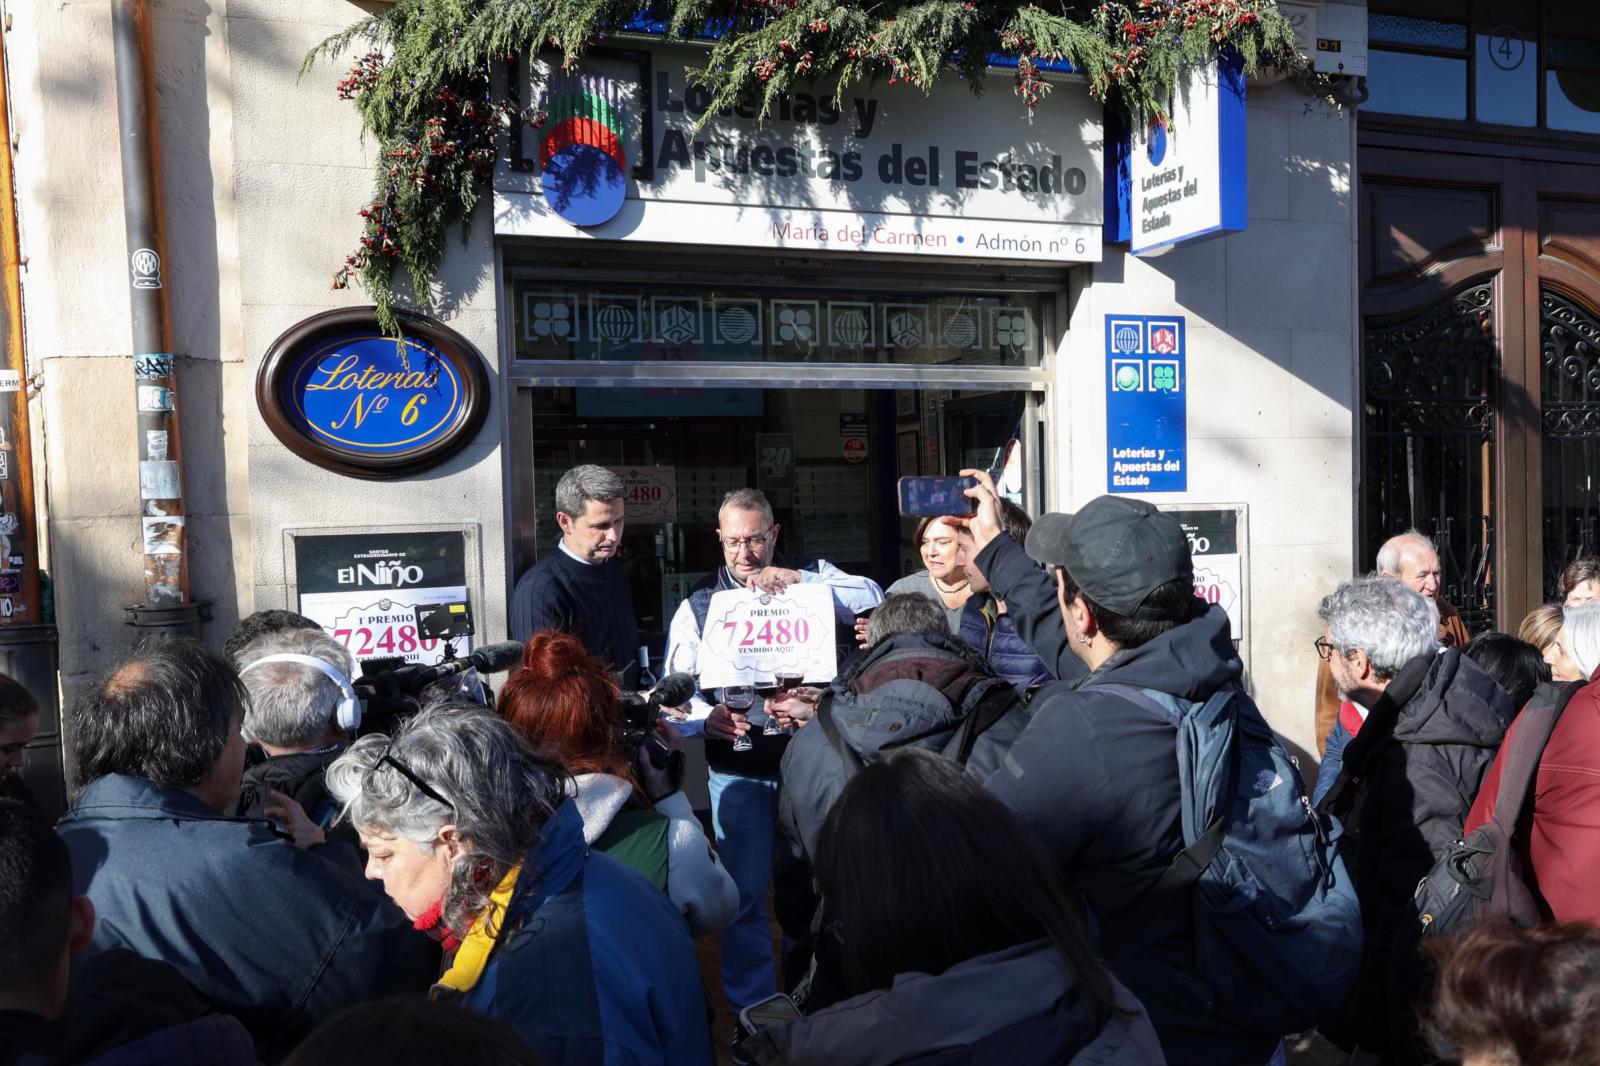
point(738, 699)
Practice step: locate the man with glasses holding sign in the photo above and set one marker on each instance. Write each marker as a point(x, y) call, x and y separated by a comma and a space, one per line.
point(739, 647)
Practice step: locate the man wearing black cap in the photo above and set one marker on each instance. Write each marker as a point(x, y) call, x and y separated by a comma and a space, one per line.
point(1094, 773)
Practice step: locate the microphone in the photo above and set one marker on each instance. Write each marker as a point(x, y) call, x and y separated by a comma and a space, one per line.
point(673, 690)
point(489, 659)
point(493, 658)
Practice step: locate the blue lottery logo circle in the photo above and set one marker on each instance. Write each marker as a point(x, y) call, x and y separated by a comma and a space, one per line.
point(584, 185)
point(1157, 142)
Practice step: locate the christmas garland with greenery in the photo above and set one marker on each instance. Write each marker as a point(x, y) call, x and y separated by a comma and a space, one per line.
point(425, 92)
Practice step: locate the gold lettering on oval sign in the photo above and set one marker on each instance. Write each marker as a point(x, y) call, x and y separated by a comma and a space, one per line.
point(343, 373)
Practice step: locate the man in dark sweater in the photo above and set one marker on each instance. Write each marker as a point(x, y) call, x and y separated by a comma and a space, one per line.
point(580, 587)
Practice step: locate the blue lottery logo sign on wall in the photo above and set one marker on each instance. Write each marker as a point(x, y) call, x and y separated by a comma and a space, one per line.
point(1157, 139)
point(1146, 415)
point(340, 394)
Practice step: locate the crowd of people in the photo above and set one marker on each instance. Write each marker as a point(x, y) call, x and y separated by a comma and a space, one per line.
point(1036, 817)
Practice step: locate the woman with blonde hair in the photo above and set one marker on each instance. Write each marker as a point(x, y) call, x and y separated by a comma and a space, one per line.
point(1543, 629)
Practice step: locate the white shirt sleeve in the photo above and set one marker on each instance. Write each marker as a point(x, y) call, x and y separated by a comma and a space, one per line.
point(683, 654)
point(696, 880)
point(850, 591)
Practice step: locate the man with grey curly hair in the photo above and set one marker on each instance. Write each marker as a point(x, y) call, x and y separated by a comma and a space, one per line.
point(579, 587)
point(1402, 781)
point(302, 714)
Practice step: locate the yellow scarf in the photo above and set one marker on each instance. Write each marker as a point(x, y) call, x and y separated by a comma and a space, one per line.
point(473, 955)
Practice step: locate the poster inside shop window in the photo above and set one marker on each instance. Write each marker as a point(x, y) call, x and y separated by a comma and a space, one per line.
point(364, 589)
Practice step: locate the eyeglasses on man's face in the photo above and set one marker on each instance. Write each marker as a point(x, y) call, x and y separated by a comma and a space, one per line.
point(1325, 648)
point(741, 543)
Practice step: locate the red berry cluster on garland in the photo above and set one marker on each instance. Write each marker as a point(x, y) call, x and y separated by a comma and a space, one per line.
point(454, 147)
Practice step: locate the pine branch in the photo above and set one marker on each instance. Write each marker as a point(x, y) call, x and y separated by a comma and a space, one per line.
point(424, 88)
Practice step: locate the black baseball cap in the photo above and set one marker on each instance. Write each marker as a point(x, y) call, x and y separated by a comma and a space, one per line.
point(1116, 549)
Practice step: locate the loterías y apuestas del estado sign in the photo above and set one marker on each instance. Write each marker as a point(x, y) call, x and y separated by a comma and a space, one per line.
point(340, 394)
point(631, 153)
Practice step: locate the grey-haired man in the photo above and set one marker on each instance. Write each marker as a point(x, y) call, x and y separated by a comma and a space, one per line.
point(580, 587)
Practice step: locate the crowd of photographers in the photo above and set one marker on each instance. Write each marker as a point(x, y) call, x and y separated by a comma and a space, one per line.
point(1035, 818)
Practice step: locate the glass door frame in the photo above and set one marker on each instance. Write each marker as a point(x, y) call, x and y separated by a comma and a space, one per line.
point(518, 376)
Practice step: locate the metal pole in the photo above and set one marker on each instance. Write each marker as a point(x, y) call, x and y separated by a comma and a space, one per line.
point(27, 642)
point(20, 596)
point(166, 566)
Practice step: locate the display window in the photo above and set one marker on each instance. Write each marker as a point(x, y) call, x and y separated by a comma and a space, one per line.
point(822, 392)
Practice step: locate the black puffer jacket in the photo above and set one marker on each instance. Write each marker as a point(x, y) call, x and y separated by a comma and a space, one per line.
point(1031, 604)
point(301, 775)
point(1413, 771)
point(908, 691)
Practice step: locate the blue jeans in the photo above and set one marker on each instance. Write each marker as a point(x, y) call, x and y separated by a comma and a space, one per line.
point(744, 813)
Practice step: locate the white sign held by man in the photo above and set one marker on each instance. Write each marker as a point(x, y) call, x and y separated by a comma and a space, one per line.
point(752, 637)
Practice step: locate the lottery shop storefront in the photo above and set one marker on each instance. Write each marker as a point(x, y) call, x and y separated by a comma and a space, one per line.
point(815, 306)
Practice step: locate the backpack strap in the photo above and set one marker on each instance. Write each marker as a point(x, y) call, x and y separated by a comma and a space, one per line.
point(990, 709)
point(830, 729)
point(1534, 726)
point(1186, 866)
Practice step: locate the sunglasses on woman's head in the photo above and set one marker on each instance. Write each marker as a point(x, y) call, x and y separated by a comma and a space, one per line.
point(388, 758)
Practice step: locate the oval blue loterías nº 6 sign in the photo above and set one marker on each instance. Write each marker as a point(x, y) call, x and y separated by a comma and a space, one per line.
point(340, 394)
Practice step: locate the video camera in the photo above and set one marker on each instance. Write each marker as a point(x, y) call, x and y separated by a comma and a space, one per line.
point(392, 688)
point(641, 711)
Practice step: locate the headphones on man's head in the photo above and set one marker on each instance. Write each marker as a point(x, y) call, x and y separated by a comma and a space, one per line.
point(348, 710)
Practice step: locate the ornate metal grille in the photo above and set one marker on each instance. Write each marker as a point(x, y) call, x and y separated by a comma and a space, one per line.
point(1569, 376)
point(1428, 403)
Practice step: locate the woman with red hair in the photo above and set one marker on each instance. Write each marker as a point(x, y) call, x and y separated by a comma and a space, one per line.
point(564, 703)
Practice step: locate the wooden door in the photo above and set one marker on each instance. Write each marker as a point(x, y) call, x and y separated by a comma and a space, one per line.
point(1562, 353)
point(1480, 422)
point(1438, 317)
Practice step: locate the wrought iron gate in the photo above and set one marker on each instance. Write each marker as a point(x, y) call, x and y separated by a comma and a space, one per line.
point(1569, 377)
point(1428, 440)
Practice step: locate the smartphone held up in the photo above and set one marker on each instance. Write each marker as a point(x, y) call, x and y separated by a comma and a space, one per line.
point(934, 496)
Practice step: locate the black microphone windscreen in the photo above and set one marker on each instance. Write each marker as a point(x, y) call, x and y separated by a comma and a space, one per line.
point(674, 690)
point(493, 658)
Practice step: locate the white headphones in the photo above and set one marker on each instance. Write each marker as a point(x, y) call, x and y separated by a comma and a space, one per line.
point(348, 710)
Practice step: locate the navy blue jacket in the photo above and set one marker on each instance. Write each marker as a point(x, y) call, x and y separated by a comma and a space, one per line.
point(995, 637)
point(595, 964)
point(1098, 779)
point(1031, 603)
point(274, 935)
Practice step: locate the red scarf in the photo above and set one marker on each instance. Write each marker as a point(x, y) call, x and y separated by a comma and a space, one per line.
point(432, 923)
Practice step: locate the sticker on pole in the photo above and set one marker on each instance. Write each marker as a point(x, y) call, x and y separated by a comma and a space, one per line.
point(751, 637)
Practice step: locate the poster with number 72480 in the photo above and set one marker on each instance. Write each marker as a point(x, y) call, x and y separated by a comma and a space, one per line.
point(752, 637)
